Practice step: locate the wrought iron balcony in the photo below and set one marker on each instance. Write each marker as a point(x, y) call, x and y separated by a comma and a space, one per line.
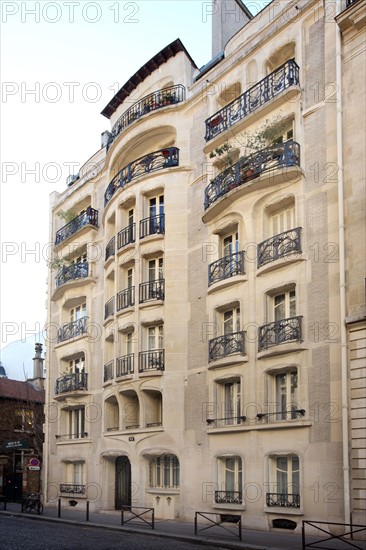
point(110, 249)
point(274, 157)
point(279, 332)
point(228, 497)
point(72, 272)
point(286, 500)
point(152, 290)
point(228, 266)
point(264, 91)
point(72, 330)
point(290, 414)
point(126, 236)
point(158, 160)
point(108, 371)
point(152, 226)
point(125, 365)
point(161, 98)
point(227, 421)
point(151, 360)
point(89, 217)
point(72, 488)
point(109, 308)
point(71, 382)
point(228, 344)
point(126, 298)
point(279, 246)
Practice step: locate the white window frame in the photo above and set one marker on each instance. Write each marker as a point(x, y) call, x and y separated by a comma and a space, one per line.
point(164, 472)
point(230, 476)
point(284, 482)
point(155, 337)
point(288, 304)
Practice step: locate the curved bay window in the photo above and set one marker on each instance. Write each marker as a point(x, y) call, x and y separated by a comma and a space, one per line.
point(164, 472)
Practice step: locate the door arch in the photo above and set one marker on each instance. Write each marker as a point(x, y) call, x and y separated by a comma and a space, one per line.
point(123, 482)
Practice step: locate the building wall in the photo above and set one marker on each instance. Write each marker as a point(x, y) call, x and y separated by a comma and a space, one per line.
point(194, 386)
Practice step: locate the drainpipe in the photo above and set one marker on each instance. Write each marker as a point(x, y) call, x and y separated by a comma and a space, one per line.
point(342, 275)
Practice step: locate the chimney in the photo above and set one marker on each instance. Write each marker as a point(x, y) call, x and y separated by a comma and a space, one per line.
point(38, 379)
point(228, 17)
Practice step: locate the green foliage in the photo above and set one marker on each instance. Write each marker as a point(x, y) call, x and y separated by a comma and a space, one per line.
point(67, 215)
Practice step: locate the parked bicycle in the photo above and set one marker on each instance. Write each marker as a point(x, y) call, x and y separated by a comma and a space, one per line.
point(32, 503)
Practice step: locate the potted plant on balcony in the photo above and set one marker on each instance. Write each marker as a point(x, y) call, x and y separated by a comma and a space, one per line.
point(215, 121)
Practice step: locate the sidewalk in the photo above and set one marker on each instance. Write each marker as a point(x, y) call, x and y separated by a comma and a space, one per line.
point(178, 530)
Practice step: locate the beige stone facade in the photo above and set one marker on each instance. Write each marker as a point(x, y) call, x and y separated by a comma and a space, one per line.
point(206, 311)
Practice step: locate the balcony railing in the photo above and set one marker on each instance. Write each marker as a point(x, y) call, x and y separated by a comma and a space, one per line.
point(89, 217)
point(152, 290)
point(72, 330)
point(164, 158)
point(109, 308)
point(279, 332)
point(264, 91)
point(229, 344)
point(279, 246)
point(227, 421)
point(285, 500)
point(71, 382)
point(228, 266)
point(156, 100)
point(110, 249)
point(152, 226)
point(126, 236)
point(274, 157)
point(125, 365)
point(228, 497)
point(290, 414)
point(126, 298)
point(72, 488)
point(108, 371)
point(151, 360)
point(72, 272)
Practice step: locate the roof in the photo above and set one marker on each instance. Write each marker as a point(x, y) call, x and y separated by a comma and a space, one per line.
point(154, 63)
point(24, 391)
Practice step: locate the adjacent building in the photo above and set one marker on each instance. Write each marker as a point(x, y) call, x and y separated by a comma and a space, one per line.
point(207, 296)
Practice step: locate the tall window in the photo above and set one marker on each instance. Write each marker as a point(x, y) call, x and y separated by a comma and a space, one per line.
point(76, 423)
point(156, 214)
point(231, 321)
point(164, 472)
point(282, 220)
point(285, 481)
point(286, 395)
point(284, 305)
point(130, 217)
point(155, 337)
point(231, 401)
point(230, 480)
point(77, 366)
point(230, 244)
point(155, 269)
point(78, 312)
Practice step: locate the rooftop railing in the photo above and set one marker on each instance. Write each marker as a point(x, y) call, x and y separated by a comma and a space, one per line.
point(264, 91)
point(89, 217)
point(158, 160)
point(161, 98)
point(72, 272)
point(274, 157)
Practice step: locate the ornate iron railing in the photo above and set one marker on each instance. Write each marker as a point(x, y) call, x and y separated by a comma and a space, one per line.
point(152, 226)
point(126, 236)
point(227, 421)
point(109, 308)
point(285, 330)
point(228, 266)
point(151, 290)
point(228, 497)
point(72, 330)
point(287, 500)
point(126, 298)
point(151, 360)
point(290, 414)
point(110, 249)
point(71, 382)
point(264, 91)
point(72, 272)
point(164, 158)
point(125, 365)
point(228, 344)
point(274, 157)
point(161, 98)
point(279, 246)
point(72, 488)
point(89, 217)
point(108, 371)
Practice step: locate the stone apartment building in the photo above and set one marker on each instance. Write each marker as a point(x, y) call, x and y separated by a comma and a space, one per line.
point(208, 301)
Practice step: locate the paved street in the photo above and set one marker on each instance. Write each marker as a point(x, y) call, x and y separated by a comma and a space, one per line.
point(24, 534)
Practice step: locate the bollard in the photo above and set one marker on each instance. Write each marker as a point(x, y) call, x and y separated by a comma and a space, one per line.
point(87, 510)
point(59, 508)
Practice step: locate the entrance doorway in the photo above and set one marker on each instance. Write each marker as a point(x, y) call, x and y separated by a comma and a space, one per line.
point(123, 482)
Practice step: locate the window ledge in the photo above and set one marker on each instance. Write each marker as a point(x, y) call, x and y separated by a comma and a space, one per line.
point(286, 424)
point(281, 349)
point(127, 248)
point(283, 510)
point(227, 361)
point(162, 491)
point(125, 310)
point(227, 506)
point(152, 303)
point(281, 262)
point(73, 441)
point(225, 283)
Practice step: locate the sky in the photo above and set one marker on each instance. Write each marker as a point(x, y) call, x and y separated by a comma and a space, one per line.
point(60, 64)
